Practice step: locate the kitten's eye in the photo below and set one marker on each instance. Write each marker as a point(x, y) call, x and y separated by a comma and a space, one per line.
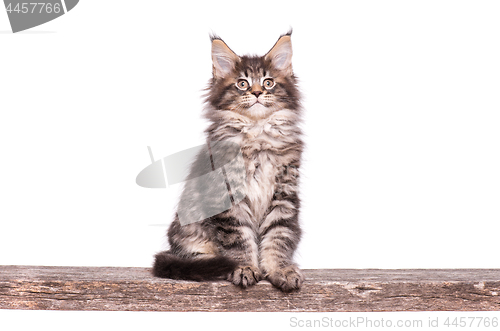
point(242, 84)
point(268, 83)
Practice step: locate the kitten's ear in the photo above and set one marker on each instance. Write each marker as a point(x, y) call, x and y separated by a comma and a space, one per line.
point(223, 58)
point(281, 54)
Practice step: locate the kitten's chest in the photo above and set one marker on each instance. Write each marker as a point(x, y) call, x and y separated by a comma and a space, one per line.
point(261, 181)
point(261, 169)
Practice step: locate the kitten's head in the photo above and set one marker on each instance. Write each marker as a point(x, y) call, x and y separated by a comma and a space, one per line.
point(253, 86)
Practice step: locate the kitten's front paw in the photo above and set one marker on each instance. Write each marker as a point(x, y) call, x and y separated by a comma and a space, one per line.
point(287, 279)
point(245, 276)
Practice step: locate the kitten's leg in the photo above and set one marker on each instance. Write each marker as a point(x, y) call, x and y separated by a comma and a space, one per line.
point(238, 240)
point(280, 234)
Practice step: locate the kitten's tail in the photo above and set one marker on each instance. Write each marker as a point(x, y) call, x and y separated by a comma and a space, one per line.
point(168, 265)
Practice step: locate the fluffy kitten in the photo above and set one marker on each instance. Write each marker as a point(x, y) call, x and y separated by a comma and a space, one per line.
point(252, 102)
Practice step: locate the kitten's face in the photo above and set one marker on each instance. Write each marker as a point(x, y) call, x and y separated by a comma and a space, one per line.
point(253, 86)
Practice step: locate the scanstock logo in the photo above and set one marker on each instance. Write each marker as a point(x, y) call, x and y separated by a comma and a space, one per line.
point(215, 169)
point(24, 15)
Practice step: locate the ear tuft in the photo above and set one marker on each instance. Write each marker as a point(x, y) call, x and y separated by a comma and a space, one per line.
point(281, 54)
point(223, 58)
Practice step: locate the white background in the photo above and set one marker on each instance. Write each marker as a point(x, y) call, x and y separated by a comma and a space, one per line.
point(402, 127)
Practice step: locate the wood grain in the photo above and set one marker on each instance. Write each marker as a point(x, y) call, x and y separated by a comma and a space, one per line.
point(134, 289)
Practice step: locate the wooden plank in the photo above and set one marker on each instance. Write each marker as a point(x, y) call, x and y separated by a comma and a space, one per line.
point(134, 289)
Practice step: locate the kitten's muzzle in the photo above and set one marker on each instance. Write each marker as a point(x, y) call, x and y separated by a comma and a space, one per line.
point(256, 90)
point(257, 93)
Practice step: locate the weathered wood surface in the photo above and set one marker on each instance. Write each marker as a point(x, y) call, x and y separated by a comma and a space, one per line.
point(134, 289)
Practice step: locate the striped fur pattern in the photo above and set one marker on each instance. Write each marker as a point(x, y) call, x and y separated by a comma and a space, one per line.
point(254, 102)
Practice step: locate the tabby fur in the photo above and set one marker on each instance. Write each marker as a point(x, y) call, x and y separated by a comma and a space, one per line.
point(254, 102)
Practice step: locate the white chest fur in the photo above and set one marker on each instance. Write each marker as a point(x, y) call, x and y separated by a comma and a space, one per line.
point(262, 167)
point(263, 144)
point(261, 180)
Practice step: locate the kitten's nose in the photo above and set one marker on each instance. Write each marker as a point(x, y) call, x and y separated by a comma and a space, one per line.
point(257, 93)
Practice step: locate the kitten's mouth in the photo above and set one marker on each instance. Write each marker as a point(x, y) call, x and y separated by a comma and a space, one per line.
point(257, 101)
point(257, 110)
point(256, 105)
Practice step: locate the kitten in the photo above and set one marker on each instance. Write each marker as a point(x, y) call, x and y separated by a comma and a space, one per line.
point(252, 102)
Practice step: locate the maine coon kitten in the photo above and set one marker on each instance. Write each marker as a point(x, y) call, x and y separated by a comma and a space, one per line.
point(253, 102)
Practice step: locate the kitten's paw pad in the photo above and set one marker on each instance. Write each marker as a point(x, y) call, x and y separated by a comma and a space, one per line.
point(287, 279)
point(245, 276)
